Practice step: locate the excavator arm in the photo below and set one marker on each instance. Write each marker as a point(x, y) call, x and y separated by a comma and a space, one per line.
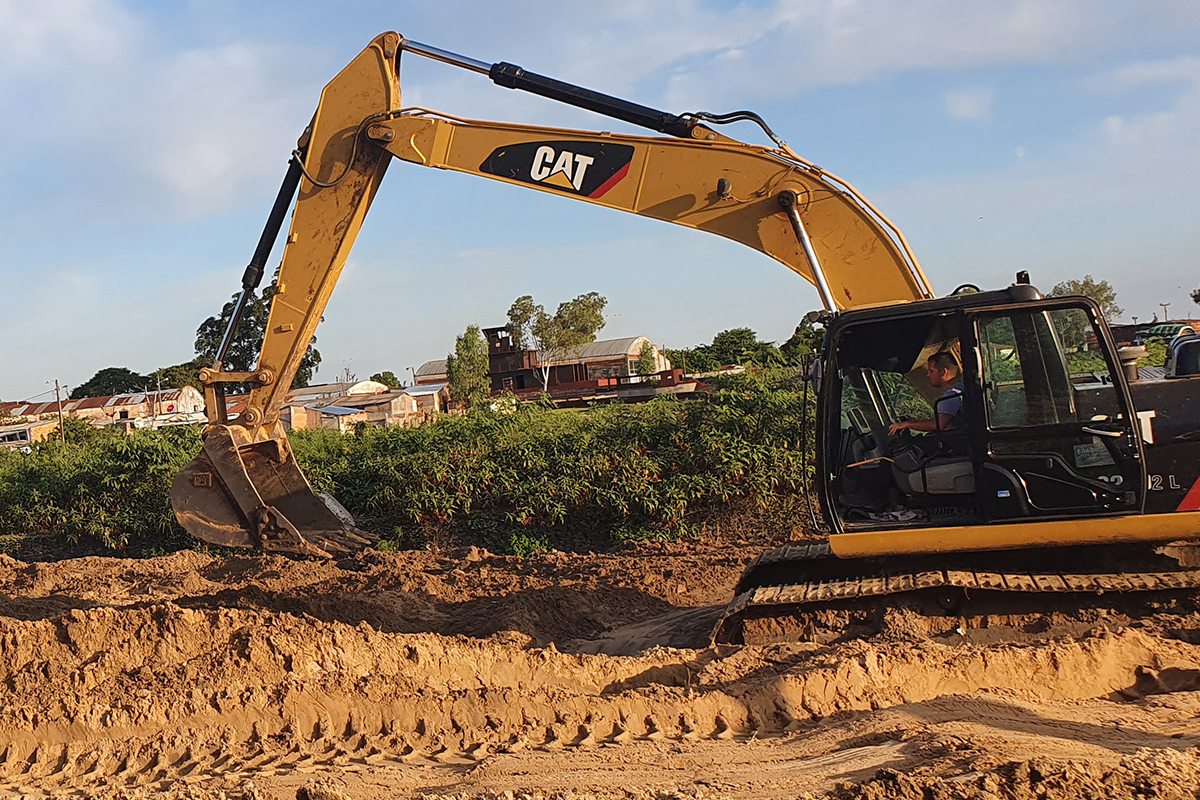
point(245, 488)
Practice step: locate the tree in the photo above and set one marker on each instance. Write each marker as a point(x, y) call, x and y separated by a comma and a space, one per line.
point(805, 341)
point(1196, 296)
point(111, 380)
point(647, 363)
point(467, 368)
point(692, 359)
point(1100, 291)
point(179, 375)
point(521, 316)
point(388, 378)
point(581, 319)
point(243, 350)
point(573, 325)
point(734, 346)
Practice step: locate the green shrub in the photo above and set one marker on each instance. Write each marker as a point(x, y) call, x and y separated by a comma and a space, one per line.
point(517, 482)
point(621, 471)
point(108, 487)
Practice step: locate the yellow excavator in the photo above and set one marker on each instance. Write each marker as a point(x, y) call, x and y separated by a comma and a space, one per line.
point(1044, 467)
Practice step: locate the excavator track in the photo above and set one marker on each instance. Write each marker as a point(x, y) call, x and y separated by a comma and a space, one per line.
point(808, 577)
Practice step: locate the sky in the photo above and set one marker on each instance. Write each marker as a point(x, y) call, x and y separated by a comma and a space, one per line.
point(142, 143)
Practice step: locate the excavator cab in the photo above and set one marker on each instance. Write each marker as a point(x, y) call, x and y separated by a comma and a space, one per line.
point(1046, 429)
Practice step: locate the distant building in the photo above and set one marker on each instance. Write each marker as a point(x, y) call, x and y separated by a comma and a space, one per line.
point(167, 406)
point(368, 402)
point(511, 369)
point(431, 398)
point(325, 391)
point(431, 372)
point(337, 418)
point(26, 433)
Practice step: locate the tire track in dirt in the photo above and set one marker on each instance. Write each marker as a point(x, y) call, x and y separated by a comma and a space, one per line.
point(162, 695)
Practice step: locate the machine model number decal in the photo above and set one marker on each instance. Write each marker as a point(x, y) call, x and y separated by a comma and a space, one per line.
point(589, 169)
point(1156, 483)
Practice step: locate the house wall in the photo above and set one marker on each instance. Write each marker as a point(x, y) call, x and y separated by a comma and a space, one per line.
point(102, 411)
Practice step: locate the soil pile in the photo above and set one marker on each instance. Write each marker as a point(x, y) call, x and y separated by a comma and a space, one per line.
point(472, 676)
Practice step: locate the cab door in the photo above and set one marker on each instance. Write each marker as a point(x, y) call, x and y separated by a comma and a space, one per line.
point(1059, 436)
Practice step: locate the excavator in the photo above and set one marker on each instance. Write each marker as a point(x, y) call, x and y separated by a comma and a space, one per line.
point(1045, 468)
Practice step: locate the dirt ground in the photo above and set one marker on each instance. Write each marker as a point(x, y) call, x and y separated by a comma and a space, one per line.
point(466, 675)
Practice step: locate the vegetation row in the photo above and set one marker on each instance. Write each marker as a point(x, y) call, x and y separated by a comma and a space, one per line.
point(516, 482)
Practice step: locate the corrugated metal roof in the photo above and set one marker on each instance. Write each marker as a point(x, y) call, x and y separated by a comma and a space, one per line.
point(25, 426)
point(424, 390)
point(337, 411)
point(432, 368)
point(25, 408)
point(363, 401)
point(629, 347)
point(322, 390)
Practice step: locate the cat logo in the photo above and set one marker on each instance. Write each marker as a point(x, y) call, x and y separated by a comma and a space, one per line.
point(567, 172)
point(589, 169)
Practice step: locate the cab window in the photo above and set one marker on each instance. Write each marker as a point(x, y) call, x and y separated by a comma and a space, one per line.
point(1044, 368)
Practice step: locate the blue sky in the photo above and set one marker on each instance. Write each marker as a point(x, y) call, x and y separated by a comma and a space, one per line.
point(142, 144)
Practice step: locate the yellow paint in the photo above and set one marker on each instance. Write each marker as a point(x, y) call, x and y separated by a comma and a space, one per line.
point(1014, 535)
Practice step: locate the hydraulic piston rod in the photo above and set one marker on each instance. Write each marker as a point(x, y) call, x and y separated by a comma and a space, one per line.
point(513, 77)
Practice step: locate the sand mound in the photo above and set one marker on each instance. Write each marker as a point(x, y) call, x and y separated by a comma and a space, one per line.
point(185, 677)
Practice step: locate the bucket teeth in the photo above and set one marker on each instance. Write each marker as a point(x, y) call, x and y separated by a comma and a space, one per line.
point(253, 494)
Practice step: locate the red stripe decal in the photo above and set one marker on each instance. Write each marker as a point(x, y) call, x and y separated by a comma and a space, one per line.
point(610, 183)
point(1192, 501)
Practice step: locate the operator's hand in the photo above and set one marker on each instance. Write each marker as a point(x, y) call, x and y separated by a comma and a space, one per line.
point(896, 427)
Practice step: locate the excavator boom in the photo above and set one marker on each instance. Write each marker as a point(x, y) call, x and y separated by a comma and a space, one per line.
point(245, 489)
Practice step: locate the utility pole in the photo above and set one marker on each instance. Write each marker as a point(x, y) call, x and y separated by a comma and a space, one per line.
point(1165, 306)
point(62, 434)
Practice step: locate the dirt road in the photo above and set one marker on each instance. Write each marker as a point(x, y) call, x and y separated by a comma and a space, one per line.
point(468, 675)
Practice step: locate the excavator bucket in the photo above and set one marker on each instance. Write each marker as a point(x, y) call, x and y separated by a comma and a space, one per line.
point(253, 494)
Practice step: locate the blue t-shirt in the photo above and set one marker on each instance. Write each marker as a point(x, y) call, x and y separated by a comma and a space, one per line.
point(951, 402)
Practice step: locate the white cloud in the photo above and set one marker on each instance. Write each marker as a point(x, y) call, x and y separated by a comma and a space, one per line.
point(1118, 202)
point(796, 45)
point(161, 133)
point(970, 104)
point(688, 54)
point(60, 35)
point(1168, 133)
point(225, 119)
point(204, 130)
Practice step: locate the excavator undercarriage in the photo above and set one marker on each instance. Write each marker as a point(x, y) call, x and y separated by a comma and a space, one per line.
point(783, 589)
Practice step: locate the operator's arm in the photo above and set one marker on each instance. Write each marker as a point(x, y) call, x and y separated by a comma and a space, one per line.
point(943, 422)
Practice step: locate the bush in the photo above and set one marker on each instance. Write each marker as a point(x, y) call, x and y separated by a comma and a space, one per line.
point(517, 482)
point(105, 486)
point(618, 471)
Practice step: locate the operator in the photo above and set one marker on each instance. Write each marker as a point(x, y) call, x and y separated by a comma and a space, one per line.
point(942, 370)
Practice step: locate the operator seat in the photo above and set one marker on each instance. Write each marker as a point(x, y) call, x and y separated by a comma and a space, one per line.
point(916, 473)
